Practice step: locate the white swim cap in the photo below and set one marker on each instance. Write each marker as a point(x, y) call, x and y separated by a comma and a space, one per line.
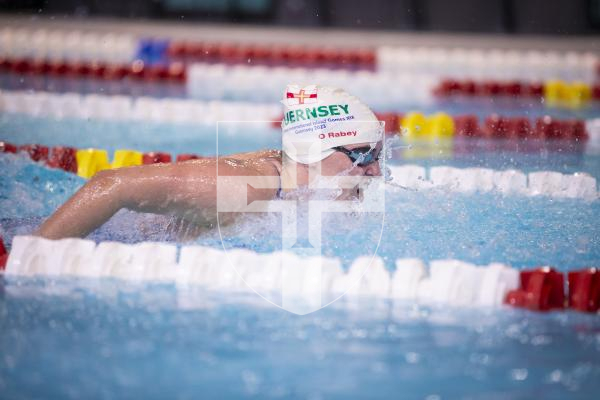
point(318, 118)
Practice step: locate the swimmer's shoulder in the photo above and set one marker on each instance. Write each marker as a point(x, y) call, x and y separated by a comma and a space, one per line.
point(257, 155)
point(265, 162)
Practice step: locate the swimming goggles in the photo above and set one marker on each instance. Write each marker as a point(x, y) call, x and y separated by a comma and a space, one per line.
point(361, 156)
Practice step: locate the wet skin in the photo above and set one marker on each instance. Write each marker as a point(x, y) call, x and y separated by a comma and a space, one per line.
point(186, 190)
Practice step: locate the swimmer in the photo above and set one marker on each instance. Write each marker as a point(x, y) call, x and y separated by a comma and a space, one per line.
point(188, 190)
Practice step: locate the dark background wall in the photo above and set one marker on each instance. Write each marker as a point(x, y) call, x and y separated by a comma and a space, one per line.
point(561, 17)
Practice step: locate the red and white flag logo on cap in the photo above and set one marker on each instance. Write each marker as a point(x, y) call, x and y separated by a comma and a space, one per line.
point(296, 95)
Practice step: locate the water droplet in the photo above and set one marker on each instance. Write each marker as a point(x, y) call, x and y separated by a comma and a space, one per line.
point(519, 374)
point(412, 358)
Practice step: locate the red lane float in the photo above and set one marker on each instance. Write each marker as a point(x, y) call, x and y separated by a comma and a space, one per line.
point(467, 125)
point(6, 147)
point(36, 152)
point(392, 121)
point(64, 158)
point(489, 88)
point(520, 128)
point(540, 290)
point(137, 70)
point(496, 126)
point(233, 53)
point(584, 290)
point(187, 157)
point(596, 92)
point(543, 289)
point(3, 255)
point(499, 127)
point(155, 158)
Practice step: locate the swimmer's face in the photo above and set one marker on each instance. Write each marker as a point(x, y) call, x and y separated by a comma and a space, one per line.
point(342, 162)
point(339, 163)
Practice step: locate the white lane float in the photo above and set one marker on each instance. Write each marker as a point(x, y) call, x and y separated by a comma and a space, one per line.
point(285, 276)
point(206, 80)
point(69, 45)
point(449, 282)
point(526, 65)
point(125, 108)
point(509, 182)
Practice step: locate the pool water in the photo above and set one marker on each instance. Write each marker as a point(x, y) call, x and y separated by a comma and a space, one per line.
point(561, 156)
point(479, 228)
point(71, 338)
point(109, 339)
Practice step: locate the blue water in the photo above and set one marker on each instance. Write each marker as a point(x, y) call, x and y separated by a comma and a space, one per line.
point(141, 136)
point(110, 339)
point(120, 341)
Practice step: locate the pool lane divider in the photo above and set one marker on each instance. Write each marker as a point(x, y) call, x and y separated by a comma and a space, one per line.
point(449, 282)
point(146, 109)
point(410, 87)
point(265, 84)
point(137, 70)
point(88, 162)
point(416, 126)
point(412, 125)
point(490, 64)
point(483, 180)
point(67, 45)
point(268, 54)
point(554, 92)
point(456, 62)
point(86, 46)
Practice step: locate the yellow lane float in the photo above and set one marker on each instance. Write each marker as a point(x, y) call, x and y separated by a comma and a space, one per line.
point(127, 158)
point(558, 93)
point(91, 161)
point(416, 126)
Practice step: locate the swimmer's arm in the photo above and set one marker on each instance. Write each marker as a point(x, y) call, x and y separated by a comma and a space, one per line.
point(186, 189)
point(154, 188)
point(86, 210)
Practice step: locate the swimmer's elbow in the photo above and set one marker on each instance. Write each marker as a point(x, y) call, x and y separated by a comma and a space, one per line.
point(106, 176)
point(108, 184)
